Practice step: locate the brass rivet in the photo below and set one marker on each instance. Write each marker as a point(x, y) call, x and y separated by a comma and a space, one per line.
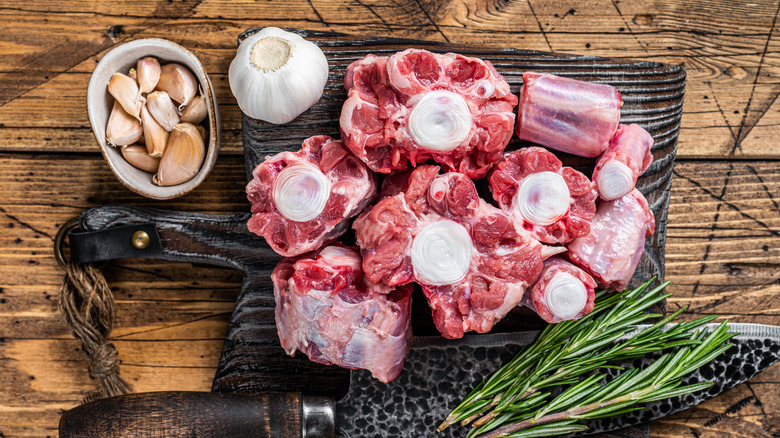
point(141, 239)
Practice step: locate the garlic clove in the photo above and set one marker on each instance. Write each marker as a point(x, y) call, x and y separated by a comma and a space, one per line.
point(138, 157)
point(300, 192)
point(440, 121)
point(148, 74)
point(155, 135)
point(125, 91)
point(178, 82)
point(162, 108)
point(122, 129)
point(132, 74)
point(183, 156)
point(441, 253)
point(542, 198)
point(195, 111)
point(277, 75)
point(203, 133)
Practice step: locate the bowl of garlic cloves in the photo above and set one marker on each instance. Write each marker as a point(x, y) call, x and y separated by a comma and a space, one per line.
point(155, 117)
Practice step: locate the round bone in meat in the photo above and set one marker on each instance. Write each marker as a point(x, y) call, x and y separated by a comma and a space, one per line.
point(554, 203)
point(303, 200)
point(562, 292)
point(440, 121)
point(473, 261)
point(300, 192)
point(441, 253)
point(542, 199)
point(628, 156)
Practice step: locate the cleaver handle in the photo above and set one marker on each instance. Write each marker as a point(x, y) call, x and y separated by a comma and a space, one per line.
point(215, 239)
point(202, 414)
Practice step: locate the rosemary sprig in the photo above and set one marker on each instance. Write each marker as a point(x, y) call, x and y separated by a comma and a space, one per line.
point(515, 401)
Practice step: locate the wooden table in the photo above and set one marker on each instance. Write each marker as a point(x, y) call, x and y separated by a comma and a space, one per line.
point(723, 247)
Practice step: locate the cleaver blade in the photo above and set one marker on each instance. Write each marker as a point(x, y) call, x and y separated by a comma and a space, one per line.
point(439, 373)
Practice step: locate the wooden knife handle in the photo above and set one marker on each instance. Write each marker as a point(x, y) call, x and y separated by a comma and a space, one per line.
point(198, 414)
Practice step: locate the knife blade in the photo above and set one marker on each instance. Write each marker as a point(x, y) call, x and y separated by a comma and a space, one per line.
point(439, 373)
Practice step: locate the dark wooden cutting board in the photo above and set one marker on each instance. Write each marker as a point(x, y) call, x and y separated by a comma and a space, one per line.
point(252, 359)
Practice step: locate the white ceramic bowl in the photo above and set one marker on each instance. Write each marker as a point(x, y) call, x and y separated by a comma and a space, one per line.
point(99, 103)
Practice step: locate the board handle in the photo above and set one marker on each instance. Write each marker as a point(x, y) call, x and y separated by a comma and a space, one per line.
point(202, 414)
point(216, 239)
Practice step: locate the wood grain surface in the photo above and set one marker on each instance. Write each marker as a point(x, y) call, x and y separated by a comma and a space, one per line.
point(723, 242)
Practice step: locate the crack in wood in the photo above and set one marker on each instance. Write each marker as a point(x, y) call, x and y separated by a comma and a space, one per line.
point(370, 9)
point(742, 125)
point(764, 186)
point(539, 23)
point(432, 22)
point(773, 232)
point(25, 224)
point(712, 232)
point(630, 31)
point(179, 324)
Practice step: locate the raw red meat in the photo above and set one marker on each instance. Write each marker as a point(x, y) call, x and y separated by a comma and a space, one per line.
point(472, 261)
point(416, 105)
point(568, 115)
point(628, 156)
point(327, 309)
point(563, 292)
point(612, 250)
point(286, 208)
point(554, 203)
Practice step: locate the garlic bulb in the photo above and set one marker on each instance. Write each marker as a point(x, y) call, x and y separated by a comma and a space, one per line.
point(440, 121)
point(542, 198)
point(441, 253)
point(183, 156)
point(122, 128)
point(277, 75)
point(137, 156)
point(300, 192)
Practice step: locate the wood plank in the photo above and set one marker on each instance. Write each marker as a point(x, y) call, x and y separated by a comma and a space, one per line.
point(171, 317)
point(732, 58)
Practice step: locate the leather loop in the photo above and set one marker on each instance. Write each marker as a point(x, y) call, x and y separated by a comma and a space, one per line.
point(112, 243)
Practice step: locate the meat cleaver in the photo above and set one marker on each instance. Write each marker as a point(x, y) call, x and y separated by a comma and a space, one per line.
point(260, 391)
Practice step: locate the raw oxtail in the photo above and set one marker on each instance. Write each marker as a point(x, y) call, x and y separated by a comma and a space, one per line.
point(612, 250)
point(302, 200)
point(628, 156)
point(568, 115)
point(416, 105)
point(473, 261)
point(554, 203)
point(562, 292)
point(327, 309)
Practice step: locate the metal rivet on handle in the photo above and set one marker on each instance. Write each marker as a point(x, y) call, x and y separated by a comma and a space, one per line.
point(140, 239)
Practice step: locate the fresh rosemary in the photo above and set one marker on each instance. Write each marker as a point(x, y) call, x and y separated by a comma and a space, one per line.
point(517, 400)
